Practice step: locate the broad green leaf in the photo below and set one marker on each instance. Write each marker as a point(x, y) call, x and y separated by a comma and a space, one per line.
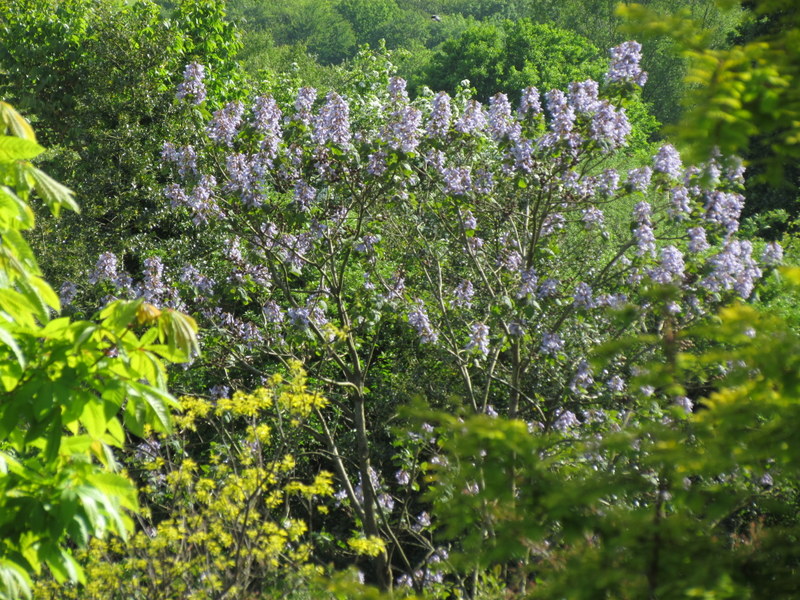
point(14, 579)
point(46, 293)
point(115, 486)
point(16, 148)
point(93, 418)
point(179, 331)
point(63, 566)
point(15, 123)
point(8, 339)
point(14, 213)
point(53, 193)
point(119, 315)
point(18, 307)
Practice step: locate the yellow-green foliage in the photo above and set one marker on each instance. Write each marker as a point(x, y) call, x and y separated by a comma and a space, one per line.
point(230, 525)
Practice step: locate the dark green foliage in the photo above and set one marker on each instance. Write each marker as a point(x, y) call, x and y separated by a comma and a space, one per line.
point(100, 80)
point(510, 56)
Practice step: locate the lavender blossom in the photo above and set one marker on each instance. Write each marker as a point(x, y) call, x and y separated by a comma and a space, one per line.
point(473, 119)
point(772, 254)
point(105, 269)
point(67, 293)
point(551, 344)
point(582, 296)
point(668, 161)
point(724, 209)
point(563, 115)
point(733, 269)
point(671, 268)
point(548, 288)
point(462, 294)
point(468, 221)
point(529, 102)
point(419, 320)
point(583, 378)
point(367, 243)
point(607, 182)
point(645, 239)
point(457, 180)
point(552, 223)
point(697, 239)
point(639, 179)
point(679, 202)
point(267, 117)
point(225, 122)
point(565, 420)
point(501, 124)
point(479, 338)
point(302, 105)
point(192, 85)
point(609, 125)
point(304, 195)
point(583, 96)
point(527, 286)
point(439, 120)
point(332, 124)
point(185, 158)
point(592, 218)
point(376, 165)
point(616, 384)
point(624, 66)
point(402, 130)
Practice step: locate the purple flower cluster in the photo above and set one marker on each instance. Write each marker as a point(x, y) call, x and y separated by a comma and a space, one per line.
point(462, 294)
point(668, 161)
point(643, 232)
point(184, 158)
point(582, 296)
point(192, 85)
point(332, 124)
point(528, 281)
point(583, 377)
point(418, 319)
point(303, 105)
point(552, 343)
point(583, 96)
point(733, 269)
point(457, 180)
point(473, 119)
point(529, 102)
point(671, 267)
point(624, 67)
point(697, 239)
point(479, 338)
point(501, 124)
point(224, 124)
point(441, 114)
point(724, 208)
point(267, 117)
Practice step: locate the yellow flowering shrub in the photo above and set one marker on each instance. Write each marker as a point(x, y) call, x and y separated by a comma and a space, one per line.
point(224, 519)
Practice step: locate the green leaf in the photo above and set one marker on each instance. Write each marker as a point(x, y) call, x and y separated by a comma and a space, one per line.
point(115, 486)
point(14, 213)
point(16, 148)
point(179, 331)
point(52, 192)
point(17, 307)
point(14, 579)
point(14, 123)
point(64, 567)
point(8, 340)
